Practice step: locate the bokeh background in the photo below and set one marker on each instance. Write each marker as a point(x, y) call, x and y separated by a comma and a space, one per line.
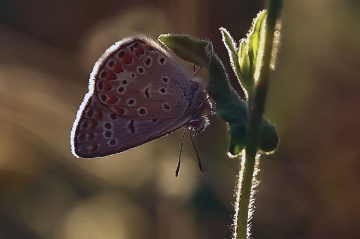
point(309, 187)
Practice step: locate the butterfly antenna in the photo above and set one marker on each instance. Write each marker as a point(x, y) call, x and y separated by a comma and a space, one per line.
point(181, 148)
point(196, 152)
point(201, 66)
point(195, 71)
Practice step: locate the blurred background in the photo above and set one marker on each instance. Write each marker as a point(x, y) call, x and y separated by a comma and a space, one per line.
point(309, 187)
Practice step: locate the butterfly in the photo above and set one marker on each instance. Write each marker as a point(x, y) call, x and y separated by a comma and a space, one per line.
point(138, 92)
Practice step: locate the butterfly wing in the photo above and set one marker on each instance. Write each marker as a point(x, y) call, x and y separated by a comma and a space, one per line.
point(137, 93)
point(137, 78)
point(98, 131)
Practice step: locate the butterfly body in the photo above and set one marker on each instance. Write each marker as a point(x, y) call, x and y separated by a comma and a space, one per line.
point(138, 92)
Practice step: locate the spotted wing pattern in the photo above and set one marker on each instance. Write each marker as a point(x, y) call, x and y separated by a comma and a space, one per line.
point(137, 93)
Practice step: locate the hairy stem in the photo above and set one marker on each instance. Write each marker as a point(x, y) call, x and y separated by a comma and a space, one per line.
point(256, 111)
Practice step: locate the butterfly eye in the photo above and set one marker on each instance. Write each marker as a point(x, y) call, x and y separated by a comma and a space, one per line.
point(197, 125)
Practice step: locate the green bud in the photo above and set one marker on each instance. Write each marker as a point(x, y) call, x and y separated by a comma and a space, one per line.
point(237, 132)
point(269, 138)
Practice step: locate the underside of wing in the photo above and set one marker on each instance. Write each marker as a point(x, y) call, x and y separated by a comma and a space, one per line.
point(139, 80)
point(98, 131)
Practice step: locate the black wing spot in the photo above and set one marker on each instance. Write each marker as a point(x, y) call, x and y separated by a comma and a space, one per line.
point(111, 63)
point(121, 89)
point(147, 95)
point(141, 70)
point(165, 80)
point(103, 74)
point(162, 90)
point(166, 106)
point(162, 60)
point(147, 61)
point(108, 134)
point(103, 98)
point(121, 54)
point(132, 127)
point(113, 116)
point(142, 111)
point(131, 101)
point(100, 85)
point(112, 142)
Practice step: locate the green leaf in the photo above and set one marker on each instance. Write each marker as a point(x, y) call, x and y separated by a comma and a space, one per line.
point(256, 37)
point(229, 106)
point(244, 59)
point(188, 48)
point(246, 79)
point(232, 51)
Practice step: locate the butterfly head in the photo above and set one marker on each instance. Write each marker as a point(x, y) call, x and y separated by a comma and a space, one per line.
point(202, 106)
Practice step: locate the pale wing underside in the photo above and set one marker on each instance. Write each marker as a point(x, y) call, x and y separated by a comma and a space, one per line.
point(98, 131)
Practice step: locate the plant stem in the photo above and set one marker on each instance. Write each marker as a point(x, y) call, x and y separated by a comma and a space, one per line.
point(256, 111)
